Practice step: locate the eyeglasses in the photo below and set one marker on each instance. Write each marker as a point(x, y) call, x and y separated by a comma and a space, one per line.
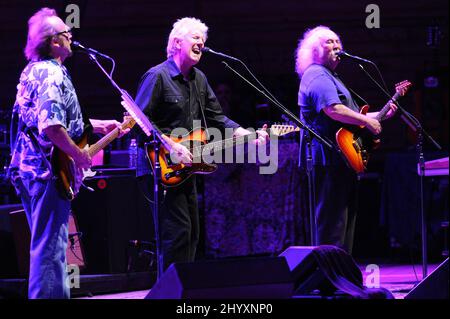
point(63, 33)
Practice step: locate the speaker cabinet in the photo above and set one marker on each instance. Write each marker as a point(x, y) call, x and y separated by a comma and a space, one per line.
point(22, 237)
point(266, 277)
point(112, 217)
point(434, 286)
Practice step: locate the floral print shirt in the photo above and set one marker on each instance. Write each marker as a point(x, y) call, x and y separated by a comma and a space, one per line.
point(45, 97)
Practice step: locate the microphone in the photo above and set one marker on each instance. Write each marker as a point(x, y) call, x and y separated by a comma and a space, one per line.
point(71, 235)
point(79, 47)
point(342, 54)
point(206, 49)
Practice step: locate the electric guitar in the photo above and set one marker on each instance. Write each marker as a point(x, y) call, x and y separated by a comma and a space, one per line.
point(356, 143)
point(69, 177)
point(174, 174)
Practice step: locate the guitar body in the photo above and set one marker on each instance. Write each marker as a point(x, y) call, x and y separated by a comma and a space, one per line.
point(356, 143)
point(64, 169)
point(174, 174)
point(69, 178)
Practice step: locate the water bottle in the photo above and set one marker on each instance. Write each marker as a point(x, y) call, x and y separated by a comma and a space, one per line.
point(132, 153)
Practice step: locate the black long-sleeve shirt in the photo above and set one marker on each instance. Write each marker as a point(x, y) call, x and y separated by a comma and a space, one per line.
point(172, 102)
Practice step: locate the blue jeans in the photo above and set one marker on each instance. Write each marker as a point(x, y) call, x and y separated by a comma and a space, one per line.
point(48, 217)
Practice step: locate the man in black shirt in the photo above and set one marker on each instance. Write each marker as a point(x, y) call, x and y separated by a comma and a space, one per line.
point(173, 94)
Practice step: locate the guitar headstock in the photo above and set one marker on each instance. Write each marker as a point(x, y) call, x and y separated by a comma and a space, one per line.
point(128, 121)
point(402, 87)
point(283, 129)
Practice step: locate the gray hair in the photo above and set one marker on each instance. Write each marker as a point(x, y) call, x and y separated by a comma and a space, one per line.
point(181, 28)
point(39, 32)
point(309, 48)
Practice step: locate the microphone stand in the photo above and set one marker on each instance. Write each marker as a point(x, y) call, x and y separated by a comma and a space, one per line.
point(309, 133)
point(415, 125)
point(156, 141)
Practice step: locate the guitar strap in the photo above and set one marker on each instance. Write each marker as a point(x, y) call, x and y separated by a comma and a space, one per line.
point(31, 133)
point(350, 89)
point(17, 126)
point(357, 95)
point(199, 97)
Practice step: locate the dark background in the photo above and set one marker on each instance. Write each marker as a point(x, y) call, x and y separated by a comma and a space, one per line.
point(265, 34)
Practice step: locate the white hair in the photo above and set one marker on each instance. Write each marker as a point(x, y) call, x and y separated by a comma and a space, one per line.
point(309, 48)
point(39, 34)
point(181, 28)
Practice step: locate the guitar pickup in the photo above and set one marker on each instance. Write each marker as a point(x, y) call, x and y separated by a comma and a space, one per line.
point(356, 147)
point(174, 174)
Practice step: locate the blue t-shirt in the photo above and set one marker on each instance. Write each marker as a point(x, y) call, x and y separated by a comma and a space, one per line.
point(319, 88)
point(45, 97)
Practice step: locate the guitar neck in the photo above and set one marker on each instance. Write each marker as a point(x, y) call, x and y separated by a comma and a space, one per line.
point(103, 142)
point(221, 145)
point(108, 138)
point(382, 113)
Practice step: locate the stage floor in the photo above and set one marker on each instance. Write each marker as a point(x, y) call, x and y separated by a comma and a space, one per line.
point(399, 279)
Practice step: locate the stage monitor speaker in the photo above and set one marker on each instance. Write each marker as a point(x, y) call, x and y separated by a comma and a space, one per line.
point(306, 274)
point(312, 273)
point(262, 277)
point(434, 286)
point(22, 235)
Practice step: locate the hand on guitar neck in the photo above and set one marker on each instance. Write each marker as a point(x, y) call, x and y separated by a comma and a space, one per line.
point(373, 124)
point(105, 126)
point(262, 134)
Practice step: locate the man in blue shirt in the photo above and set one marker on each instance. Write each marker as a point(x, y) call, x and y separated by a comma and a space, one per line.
point(326, 105)
point(48, 115)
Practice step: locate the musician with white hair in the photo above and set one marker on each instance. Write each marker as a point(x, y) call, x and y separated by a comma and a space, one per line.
point(326, 105)
point(173, 95)
point(46, 115)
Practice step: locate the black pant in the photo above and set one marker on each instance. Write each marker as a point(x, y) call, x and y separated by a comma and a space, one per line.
point(178, 220)
point(336, 195)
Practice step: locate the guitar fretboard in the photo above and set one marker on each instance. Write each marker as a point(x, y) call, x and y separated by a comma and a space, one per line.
point(221, 145)
point(108, 138)
point(386, 108)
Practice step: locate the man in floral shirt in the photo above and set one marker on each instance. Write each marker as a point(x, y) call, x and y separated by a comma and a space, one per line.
point(47, 114)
